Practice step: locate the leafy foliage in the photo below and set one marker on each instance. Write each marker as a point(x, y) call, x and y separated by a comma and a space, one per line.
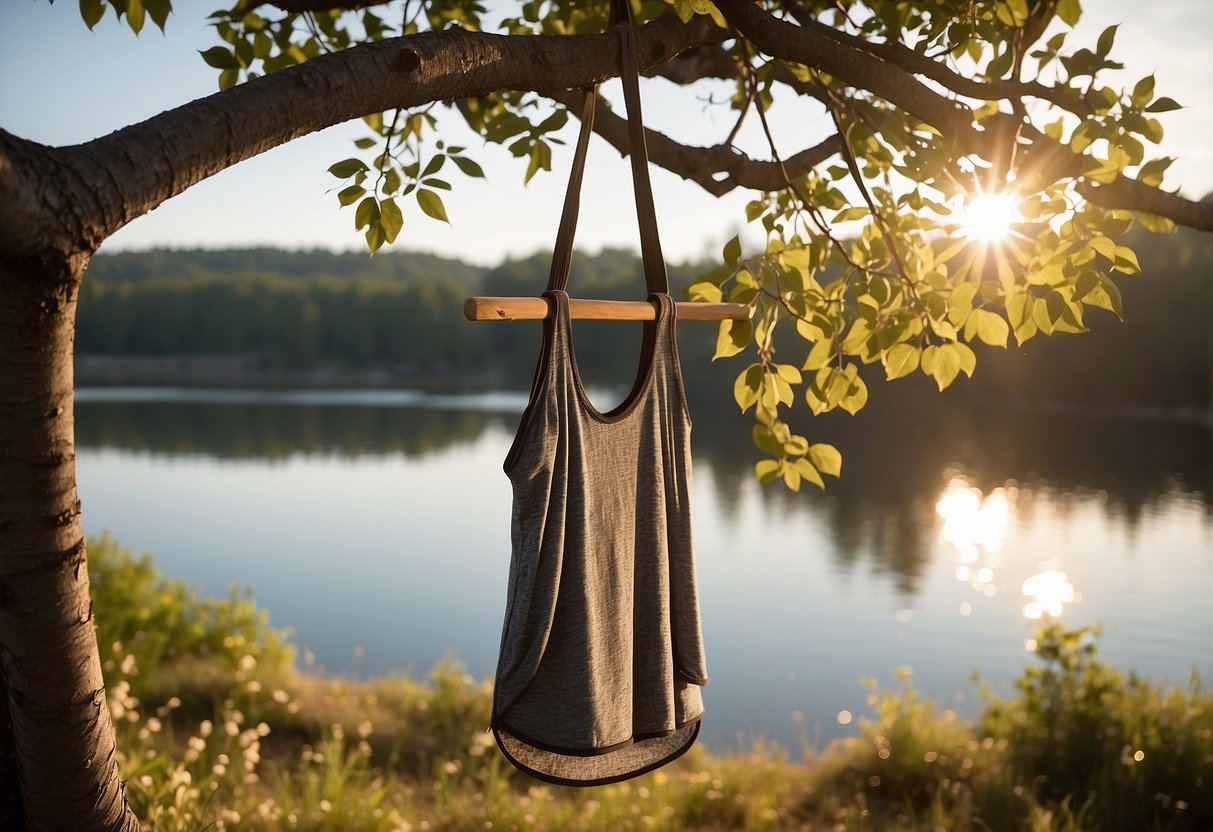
point(865, 256)
point(150, 621)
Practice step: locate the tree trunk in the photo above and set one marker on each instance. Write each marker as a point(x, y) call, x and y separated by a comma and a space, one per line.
point(66, 760)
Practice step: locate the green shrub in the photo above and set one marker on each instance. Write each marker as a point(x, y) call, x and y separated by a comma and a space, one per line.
point(1136, 755)
point(145, 620)
point(225, 734)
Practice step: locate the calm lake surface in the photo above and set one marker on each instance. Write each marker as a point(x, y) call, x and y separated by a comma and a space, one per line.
point(375, 524)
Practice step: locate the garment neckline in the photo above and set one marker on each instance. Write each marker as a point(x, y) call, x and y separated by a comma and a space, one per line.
point(644, 371)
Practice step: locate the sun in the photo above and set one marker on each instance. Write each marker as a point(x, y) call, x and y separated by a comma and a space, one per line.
point(989, 217)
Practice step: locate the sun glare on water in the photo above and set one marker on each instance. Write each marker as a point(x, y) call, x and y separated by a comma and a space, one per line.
point(989, 217)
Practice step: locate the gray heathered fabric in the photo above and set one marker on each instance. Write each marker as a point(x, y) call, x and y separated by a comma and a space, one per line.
point(601, 653)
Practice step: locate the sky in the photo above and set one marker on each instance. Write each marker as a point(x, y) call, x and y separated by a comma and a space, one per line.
point(75, 85)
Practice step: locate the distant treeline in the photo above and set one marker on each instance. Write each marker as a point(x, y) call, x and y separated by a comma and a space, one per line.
point(292, 311)
point(296, 310)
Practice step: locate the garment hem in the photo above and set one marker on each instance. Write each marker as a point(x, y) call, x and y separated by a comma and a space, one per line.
point(602, 781)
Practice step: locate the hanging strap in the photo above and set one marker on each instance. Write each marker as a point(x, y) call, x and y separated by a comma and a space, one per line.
point(655, 277)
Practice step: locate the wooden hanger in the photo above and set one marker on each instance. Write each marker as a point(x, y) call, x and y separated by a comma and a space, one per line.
point(514, 309)
point(536, 309)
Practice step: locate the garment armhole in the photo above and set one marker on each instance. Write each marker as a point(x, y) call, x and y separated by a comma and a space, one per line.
point(539, 382)
point(677, 362)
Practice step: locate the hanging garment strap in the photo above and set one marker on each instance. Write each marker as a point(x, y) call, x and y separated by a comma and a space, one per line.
point(655, 277)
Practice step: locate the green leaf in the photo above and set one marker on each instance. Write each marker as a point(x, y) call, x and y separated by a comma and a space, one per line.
point(216, 56)
point(705, 292)
point(1105, 295)
point(732, 252)
point(791, 477)
point(941, 363)
point(1164, 105)
point(554, 122)
point(91, 11)
point(468, 166)
point(391, 219)
point(1069, 11)
point(968, 359)
point(1143, 91)
point(732, 338)
point(855, 212)
point(766, 470)
point(826, 459)
point(375, 237)
point(366, 213)
point(431, 203)
point(991, 328)
point(391, 180)
point(1106, 37)
point(788, 373)
point(1126, 261)
point(766, 441)
point(900, 360)
point(135, 14)
point(960, 303)
point(808, 472)
point(1019, 12)
point(159, 11)
point(1104, 246)
point(541, 159)
point(819, 355)
point(435, 165)
point(347, 168)
point(796, 446)
point(350, 195)
point(1156, 223)
point(747, 386)
point(856, 395)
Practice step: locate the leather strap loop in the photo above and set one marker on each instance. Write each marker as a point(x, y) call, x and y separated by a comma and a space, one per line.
point(655, 277)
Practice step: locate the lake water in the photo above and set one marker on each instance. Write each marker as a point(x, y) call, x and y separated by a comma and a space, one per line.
point(376, 525)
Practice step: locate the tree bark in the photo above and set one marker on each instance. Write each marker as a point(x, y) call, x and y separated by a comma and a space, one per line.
point(61, 731)
point(11, 813)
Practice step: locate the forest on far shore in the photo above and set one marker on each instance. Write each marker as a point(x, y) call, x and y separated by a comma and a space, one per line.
point(286, 314)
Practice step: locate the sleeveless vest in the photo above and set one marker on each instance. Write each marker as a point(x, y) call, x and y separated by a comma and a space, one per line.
point(601, 651)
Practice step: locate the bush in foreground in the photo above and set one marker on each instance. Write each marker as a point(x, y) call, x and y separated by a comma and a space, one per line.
point(218, 731)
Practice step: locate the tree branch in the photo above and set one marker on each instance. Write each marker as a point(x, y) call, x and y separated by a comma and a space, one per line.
point(112, 180)
point(301, 6)
point(955, 121)
point(718, 169)
point(919, 64)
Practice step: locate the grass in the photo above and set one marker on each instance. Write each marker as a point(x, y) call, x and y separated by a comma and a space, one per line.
point(218, 731)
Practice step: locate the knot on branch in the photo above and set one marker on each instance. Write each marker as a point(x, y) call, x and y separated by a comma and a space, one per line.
point(409, 60)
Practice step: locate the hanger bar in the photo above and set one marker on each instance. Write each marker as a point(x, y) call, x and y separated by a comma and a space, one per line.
point(536, 309)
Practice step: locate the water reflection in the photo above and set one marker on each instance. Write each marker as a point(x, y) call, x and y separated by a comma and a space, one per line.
point(976, 526)
point(350, 519)
point(1050, 590)
point(880, 515)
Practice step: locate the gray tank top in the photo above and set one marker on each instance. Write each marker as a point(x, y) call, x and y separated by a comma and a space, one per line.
point(601, 652)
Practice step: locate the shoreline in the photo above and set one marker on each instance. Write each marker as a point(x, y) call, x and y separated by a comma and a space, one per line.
point(203, 372)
